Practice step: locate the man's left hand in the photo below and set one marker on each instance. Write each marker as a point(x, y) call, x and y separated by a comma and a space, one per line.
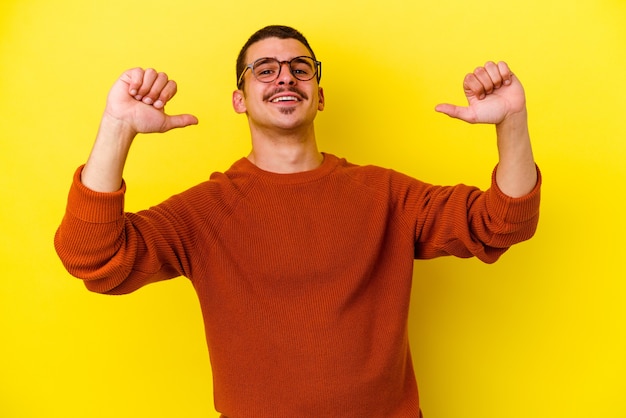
point(493, 94)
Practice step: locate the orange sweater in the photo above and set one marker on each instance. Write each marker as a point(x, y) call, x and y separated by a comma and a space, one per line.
point(303, 279)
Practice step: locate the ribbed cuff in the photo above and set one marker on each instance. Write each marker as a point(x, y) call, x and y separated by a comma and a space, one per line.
point(514, 209)
point(94, 207)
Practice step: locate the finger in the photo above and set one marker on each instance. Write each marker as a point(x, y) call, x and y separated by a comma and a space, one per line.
point(166, 94)
point(149, 76)
point(483, 77)
point(134, 79)
point(179, 121)
point(457, 112)
point(155, 91)
point(493, 71)
point(505, 73)
point(474, 87)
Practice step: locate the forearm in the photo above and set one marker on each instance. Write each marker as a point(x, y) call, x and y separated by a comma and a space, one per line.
point(516, 175)
point(112, 251)
point(104, 168)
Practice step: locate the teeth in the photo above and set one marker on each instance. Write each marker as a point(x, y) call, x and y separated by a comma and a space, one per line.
point(285, 99)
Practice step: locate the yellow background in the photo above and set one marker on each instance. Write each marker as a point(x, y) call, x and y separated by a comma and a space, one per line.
point(539, 334)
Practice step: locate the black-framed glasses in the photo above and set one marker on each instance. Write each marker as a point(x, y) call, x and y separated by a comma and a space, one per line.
point(268, 69)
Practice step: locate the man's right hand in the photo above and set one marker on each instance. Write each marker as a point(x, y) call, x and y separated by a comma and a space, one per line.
point(138, 98)
point(135, 105)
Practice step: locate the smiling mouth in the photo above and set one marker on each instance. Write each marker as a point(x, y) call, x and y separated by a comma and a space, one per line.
point(285, 95)
point(285, 99)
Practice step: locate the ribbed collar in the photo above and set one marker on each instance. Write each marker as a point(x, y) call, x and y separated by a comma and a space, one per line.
point(329, 163)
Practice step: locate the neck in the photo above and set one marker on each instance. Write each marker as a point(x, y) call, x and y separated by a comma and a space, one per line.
point(285, 153)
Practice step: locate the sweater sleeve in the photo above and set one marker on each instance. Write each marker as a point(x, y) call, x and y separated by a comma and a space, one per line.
point(113, 251)
point(464, 221)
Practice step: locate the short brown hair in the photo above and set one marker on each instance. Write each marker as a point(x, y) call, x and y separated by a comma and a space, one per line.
point(272, 31)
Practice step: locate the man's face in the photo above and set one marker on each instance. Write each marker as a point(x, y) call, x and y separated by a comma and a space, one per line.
point(285, 103)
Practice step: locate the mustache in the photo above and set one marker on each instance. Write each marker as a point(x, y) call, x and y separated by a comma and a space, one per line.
point(291, 89)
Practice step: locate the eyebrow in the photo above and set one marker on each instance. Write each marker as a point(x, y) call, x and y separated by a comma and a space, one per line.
point(302, 59)
point(260, 59)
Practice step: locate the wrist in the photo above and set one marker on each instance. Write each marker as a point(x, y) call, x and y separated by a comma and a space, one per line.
point(116, 129)
point(514, 120)
point(105, 165)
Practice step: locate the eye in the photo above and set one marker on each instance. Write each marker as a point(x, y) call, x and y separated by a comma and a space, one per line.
point(265, 68)
point(303, 67)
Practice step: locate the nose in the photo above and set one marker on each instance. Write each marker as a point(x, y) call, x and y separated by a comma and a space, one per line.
point(284, 75)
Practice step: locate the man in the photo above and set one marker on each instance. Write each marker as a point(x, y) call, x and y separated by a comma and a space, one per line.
point(302, 262)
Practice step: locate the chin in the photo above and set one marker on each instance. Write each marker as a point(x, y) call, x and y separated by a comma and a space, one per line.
point(287, 110)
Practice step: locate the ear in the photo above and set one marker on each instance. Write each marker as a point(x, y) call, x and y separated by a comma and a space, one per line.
point(239, 102)
point(320, 103)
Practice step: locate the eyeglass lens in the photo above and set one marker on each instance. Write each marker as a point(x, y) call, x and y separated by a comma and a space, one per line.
point(267, 69)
